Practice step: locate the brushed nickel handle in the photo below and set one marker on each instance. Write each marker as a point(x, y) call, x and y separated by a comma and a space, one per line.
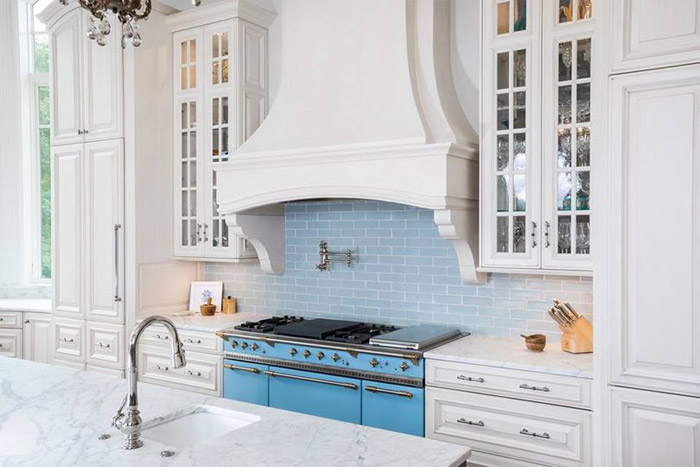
point(534, 234)
point(117, 298)
point(165, 368)
point(469, 422)
point(406, 394)
point(192, 373)
point(85, 132)
point(534, 388)
point(311, 380)
point(546, 234)
point(472, 379)
point(241, 368)
point(65, 339)
point(158, 336)
point(106, 346)
point(192, 341)
point(524, 431)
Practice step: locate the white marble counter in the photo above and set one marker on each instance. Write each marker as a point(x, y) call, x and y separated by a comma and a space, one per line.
point(51, 415)
point(197, 322)
point(506, 353)
point(42, 305)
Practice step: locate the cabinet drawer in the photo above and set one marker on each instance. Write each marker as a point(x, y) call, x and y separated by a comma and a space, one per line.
point(67, 339)
point(201, 374)
point(528, 385)
point(105, 345)
point(10, 319)
point(523, 430)
point(11, 343)
point(198, 341)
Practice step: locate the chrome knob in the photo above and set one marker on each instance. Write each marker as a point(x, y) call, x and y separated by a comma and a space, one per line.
point(292, 352)
point(374, 362)
point(234, 344)
point(404, 366)
point(254, 346)
point(320, 355)
point(335, 357)
point(306, 353)
point(244, 345)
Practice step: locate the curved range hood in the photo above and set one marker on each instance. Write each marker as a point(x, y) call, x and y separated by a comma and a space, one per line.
point(366, 109)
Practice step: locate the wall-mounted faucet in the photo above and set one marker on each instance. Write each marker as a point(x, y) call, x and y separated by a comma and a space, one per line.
point(326, 259)
point(129, 423)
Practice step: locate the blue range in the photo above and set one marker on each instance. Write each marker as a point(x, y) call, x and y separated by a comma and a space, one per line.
point(355, 372)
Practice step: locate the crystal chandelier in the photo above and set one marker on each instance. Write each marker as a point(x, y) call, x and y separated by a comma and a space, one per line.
point(129, 12)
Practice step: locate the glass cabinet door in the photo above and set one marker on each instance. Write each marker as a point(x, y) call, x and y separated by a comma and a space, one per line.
point(190, 229)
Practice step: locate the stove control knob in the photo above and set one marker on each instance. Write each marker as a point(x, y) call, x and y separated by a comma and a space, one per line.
point(234, 344)
point(404, 366)
point(320, 355)
point(254, 346)
point(335, 357)
point(292, 352)
point(374, 362)
point(244, 345)
point(306, 353)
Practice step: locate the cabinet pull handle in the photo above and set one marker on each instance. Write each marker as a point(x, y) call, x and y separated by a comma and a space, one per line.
point(241, 368)
point(199, 233)
point(192, 373)
point(26, 321)
point(206, 226)
point(469, 422)
point(406, 394)
point(0, 346)
point(472, 379)
point(534, 388)
point(533, 434)
point(546, 234)
point(312, 380)
point(80, 132)
point(165, 368)
point(85, 132)
point(158, 336)
point(192, 341)
point(117, 298)
point(65, 339)
point(106, 346)
point(534, 234)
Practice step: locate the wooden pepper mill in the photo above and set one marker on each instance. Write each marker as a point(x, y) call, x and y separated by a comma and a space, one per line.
point(208, 309)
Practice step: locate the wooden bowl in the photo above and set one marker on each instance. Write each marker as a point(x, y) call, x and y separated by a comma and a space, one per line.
point(535, 342)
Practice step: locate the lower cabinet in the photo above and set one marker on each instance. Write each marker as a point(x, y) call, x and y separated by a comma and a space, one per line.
point(11, 343)
point(37, 337)
point(391, 407)
point(246, 382)
point(202, 373)
point(67, 337)
point(105, 345)
point(652, 429)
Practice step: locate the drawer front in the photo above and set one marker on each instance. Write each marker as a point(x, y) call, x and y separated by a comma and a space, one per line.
point(198, 341)
point(392, 407)
point(201, 374)
point(526, 385)
point(246, 382)
point(523, 430)
point(10, 319)
point(11, 343)
point(68, 340)
point(105, 344)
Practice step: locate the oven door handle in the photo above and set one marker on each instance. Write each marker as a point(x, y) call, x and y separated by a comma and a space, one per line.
point(311, 380)
point(406, 394)
point(241, 368)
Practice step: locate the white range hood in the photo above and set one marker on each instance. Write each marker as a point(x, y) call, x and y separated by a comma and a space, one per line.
point(366, 109)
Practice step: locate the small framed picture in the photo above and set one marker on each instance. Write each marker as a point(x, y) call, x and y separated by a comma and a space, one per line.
point(201, 291)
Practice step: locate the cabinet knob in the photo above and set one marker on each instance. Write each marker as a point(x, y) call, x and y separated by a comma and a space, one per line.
point(374, 362)
point(234, 344)
point(292, 352)
point(306, 353)
point(404, 366)
point(320, 355)
point(244, 345)
point(254, 346)
point(26, 321)
point(335, 357)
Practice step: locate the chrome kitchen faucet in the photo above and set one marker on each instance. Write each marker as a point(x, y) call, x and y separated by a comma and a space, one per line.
point(129, 423)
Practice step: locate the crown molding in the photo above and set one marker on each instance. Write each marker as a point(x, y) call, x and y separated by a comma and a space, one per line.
point(220, 11)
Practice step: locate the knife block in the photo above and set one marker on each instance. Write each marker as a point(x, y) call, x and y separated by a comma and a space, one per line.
point(578, 338)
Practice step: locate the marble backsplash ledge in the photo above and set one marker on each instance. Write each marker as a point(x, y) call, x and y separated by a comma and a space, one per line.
point(405, 273)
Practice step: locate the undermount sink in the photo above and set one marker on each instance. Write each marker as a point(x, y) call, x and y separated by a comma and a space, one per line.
point(203, 423)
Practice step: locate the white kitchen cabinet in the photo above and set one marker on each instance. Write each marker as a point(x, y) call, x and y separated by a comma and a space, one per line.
point(652, 33)
point(653, 235)
point(203, 372)
point(105, 345)
point(220, 99)
point(68, 342)
point(536, 128)
point(654, 429)
point(11, 343)
point(86, 82)
point(36, 334)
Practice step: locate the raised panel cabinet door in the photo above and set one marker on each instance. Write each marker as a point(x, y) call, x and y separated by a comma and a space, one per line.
point(37, 337)
point(104, 246)
point(102, 85)
point(67, 230)
point(654, 231)
point(654, 33)
point(66, 48)
point(653, 429)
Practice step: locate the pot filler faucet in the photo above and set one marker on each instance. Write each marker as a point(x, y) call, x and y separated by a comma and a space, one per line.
point(130, 423)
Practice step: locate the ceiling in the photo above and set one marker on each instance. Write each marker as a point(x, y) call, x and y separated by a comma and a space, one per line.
point(187, 4)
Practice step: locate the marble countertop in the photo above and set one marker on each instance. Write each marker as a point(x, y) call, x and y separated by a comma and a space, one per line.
point(51, 415)
point(197, 322)
point(25, 304)
point(506, 353)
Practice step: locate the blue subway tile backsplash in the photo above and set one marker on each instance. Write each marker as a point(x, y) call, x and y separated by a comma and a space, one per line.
point(404, 273)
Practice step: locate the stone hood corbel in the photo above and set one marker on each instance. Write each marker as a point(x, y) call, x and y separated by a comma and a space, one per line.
point(366, 109)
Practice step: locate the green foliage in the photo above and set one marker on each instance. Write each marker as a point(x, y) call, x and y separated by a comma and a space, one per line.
point(45, 180)
point(41, 54)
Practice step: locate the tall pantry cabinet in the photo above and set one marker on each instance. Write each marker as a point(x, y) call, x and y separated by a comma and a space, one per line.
point(650, 292)
point(107, 262)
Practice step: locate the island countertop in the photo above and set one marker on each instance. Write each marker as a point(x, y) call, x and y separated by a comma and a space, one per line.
point(52, 415)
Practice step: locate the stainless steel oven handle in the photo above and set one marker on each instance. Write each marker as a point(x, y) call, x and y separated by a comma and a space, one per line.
point(241, 368)
point(311, 380)
point(406, 394)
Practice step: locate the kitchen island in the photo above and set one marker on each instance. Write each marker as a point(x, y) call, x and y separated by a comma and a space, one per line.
point(52, 415)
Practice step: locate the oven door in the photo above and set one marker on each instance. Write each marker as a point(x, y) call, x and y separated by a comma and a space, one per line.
point(392, 407)
point(245, 382)
point(316, 394)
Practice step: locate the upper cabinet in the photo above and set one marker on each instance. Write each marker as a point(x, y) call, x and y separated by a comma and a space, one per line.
point(220, 99)
point(86, 82)
point(536, 132)
point(653, 33)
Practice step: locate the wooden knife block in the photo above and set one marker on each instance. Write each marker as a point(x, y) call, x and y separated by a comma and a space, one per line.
point(578, 338)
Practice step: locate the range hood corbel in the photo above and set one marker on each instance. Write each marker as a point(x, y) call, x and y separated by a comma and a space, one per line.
point(354, 120)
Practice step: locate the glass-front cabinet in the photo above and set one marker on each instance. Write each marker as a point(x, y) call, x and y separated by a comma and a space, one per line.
point(210, 62)
point(536, 130)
